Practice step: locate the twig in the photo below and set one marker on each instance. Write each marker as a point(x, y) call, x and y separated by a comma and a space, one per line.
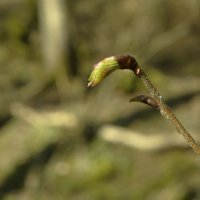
point(166, 111)
point(108, 65)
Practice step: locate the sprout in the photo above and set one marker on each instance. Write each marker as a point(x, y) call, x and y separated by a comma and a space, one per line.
point(102, 69)
point(106, 66)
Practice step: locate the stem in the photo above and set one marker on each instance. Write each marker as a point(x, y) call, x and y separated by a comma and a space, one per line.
point(166, 111)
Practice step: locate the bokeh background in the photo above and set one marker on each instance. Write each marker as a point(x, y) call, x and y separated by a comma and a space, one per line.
point(61, 140)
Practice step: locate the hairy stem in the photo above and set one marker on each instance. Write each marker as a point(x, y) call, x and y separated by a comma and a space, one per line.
point(166, 111)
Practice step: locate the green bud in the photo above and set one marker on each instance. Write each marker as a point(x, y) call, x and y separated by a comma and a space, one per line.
point(102, 69)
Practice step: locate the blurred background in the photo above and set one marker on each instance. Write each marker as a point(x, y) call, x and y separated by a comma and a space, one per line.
point(62, 140)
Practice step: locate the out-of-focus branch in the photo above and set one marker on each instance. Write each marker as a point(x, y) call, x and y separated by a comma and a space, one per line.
point(50, 118)
point(152, 142)
point(54, 31)
point(162, 41)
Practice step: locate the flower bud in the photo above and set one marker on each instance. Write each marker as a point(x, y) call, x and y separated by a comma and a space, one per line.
point(102, 69)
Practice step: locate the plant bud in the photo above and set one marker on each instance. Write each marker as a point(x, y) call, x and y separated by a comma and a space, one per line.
point(102, 69)
point(146, 100)
point(106, 66)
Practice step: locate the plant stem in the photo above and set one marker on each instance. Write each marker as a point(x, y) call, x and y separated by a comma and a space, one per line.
point(166, 111)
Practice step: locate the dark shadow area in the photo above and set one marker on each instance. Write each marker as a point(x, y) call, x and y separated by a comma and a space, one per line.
point(15, 181)
point(4, 120)
point(90, 132)
point(191, 194)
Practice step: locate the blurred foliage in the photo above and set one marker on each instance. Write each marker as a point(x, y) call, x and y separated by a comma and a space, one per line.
point(49, 119)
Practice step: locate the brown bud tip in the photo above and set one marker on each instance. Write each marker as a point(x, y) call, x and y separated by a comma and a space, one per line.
point(146, 100)
point(127, 62)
